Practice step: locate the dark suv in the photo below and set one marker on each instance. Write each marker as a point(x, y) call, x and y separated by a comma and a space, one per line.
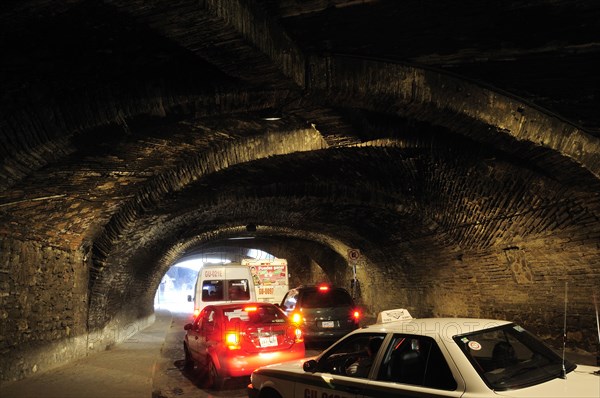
point(323, 312)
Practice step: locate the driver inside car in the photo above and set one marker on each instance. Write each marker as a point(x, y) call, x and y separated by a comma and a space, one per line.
point(361, 367)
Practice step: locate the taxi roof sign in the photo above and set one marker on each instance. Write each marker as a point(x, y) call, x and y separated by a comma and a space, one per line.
point(400, 314)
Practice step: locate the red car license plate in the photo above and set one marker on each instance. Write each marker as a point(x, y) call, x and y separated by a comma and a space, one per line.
point(270, 341)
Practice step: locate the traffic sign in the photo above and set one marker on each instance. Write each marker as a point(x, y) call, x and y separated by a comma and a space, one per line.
point(353, 254)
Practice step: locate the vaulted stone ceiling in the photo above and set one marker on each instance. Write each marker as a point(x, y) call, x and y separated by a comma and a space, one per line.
point(443, 140)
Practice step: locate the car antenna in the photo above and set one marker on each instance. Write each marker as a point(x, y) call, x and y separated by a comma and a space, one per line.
point(597, 323)
point(597, 319)
point(563, 373)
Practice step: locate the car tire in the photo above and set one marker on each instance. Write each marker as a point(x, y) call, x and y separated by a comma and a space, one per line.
point(269, 393)
point(188, 362)
point(215, 380)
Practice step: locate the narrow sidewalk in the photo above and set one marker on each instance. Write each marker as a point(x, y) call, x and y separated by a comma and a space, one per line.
point(126, 371)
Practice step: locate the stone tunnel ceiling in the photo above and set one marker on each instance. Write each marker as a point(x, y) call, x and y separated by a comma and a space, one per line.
point(457, 147)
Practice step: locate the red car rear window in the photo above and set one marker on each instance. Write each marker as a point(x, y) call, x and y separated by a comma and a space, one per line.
point(254, 314)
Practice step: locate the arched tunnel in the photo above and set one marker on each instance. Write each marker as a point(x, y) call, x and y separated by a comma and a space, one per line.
point(459, 154)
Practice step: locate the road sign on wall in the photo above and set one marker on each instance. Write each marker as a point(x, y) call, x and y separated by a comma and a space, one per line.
point(353, 254)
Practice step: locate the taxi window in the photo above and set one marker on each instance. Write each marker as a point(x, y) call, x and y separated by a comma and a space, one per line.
point(416, 360)
point(353, 356)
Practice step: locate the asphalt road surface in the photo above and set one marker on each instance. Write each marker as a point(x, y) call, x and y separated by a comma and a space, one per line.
point(148, 364)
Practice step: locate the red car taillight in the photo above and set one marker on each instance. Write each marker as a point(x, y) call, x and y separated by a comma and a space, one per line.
point(299, 337)
point(232, 340)
point(294, 333)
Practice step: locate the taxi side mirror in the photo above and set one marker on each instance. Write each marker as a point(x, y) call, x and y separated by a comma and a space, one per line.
point(189, 298)
point(188, 326)
point(310, 366)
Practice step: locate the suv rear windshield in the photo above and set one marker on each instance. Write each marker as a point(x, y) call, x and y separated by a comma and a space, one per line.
point(330, 298)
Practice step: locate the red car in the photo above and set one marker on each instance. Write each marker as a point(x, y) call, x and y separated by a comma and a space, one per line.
point(231, 340)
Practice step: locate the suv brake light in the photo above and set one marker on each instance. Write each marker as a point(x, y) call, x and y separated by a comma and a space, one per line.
point(296, 318)
point(323, 288)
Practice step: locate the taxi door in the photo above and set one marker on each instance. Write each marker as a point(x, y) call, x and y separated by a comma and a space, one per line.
point(326, 385)
point(335, 374)
point(412, 366)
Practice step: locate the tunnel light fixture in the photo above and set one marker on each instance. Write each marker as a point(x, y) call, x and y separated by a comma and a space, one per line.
point(272, 118)
point(241, 238)
point(271, 114)
point(216, 261)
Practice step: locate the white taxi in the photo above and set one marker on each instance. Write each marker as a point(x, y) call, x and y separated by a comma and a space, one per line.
point(435, 357)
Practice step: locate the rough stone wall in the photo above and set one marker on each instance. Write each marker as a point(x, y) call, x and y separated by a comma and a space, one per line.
point(43, 312)
point(310, 263)
point(381, 287)
point(44, 309)
point(302, 269)
point(524, 283)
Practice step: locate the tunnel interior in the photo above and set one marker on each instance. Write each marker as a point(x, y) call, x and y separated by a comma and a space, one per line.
point(134, 136)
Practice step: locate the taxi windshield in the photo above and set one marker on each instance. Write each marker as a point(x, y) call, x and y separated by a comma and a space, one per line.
point(509, 357)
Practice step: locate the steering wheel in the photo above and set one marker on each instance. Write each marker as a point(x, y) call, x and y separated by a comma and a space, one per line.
point(347, 363)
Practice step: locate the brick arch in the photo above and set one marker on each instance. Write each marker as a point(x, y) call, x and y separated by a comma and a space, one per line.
point(326, 252)
point(47, 130)
point(140, 283)
point(170, 234)
point(170, 240)
point(209, 162)
point(484, 114)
